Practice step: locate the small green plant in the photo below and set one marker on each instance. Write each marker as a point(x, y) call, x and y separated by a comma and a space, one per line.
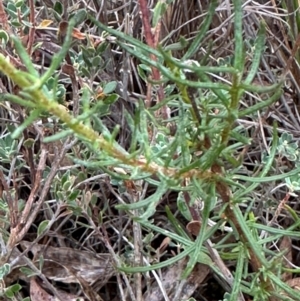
point(288, 148)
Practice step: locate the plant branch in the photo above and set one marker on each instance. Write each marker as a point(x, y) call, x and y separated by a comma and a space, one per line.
point(152, 41)
point(38, 96)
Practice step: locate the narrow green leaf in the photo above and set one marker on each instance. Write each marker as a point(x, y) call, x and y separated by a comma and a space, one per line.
point(34, 115)
point(58, 57)
point(201, 236)
point(26, 59)
point(28, 272)
point(175, 223)
point(156, 266)
point(238, 36)
point(253, 244)
point(182, 207)
point(80, 16)
point(151, 201)
point(58, 7)
point(236, 289)
point(261, 89)
point(18, 100)
point(261, 104)
point(202, 32)
point(289, 291)
point(4, 36)
point(58, 136)
point(127, 38)
point(259, 49)
point(159, 9)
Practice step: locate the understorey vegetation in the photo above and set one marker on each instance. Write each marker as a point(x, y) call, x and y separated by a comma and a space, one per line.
point(149, 151)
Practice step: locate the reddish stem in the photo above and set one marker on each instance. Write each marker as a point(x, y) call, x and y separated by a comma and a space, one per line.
point(32, 29)
point(152, 41)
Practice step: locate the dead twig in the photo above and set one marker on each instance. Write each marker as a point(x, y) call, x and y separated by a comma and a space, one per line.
point(32, 28)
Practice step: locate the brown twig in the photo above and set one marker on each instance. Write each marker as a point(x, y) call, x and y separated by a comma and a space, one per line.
point(32, 28)
point(35, 188)
point(34, 212)
point(18, 232)
point(146, 23)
